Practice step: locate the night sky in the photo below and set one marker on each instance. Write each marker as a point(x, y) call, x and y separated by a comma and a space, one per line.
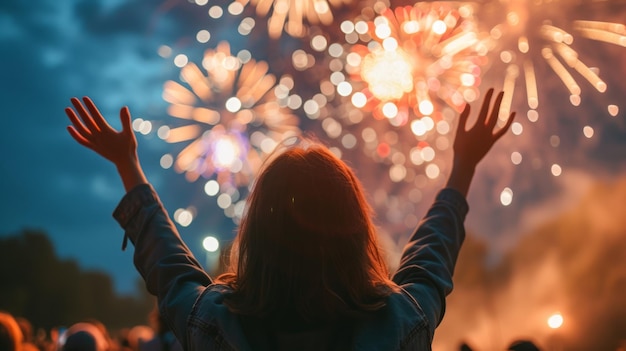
point(107, 49)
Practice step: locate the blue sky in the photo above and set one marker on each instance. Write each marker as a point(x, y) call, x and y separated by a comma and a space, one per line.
point(53, 50)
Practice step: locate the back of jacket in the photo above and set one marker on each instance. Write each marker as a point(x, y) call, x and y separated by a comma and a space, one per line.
point(400, 325)
point(193, 305)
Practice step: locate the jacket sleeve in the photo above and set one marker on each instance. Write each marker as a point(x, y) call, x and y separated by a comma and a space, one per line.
point(166, 264)
point(428, 260)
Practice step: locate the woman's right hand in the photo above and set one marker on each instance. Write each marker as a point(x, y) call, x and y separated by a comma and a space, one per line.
point(471, 146)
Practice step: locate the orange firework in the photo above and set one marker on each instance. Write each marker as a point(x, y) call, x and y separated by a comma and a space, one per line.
point(533, 27)
point(412, 57)
point(414, 67)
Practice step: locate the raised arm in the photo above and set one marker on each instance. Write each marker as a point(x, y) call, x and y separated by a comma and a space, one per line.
point(471, 146)
point(428, 259)
point(161, 257)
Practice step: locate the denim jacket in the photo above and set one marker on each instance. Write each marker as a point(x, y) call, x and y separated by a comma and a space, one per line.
point(193, 304)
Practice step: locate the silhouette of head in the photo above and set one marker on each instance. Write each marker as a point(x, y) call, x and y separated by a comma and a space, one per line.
point(465, 347)
point(84, 337)
point(307, 245)
point(10, 333)
point(523, 345)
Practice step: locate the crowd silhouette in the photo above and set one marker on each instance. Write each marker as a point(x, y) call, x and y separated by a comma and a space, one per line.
point(16, 334)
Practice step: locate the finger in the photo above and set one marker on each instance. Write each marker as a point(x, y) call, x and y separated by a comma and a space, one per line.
point(95, 114)
point(79, 127)
point(84, 115)
point(484, 110)
point(462, 127)
point(506, 127)
point(126, 120)
point(495, 112)
point(79, 138)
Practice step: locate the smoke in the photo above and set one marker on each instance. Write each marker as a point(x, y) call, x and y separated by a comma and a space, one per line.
point(572, 263)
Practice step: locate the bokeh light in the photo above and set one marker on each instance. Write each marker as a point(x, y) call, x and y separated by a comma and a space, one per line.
point(555, 321)
point(506, 196)
point(210, 244)
point(184, 216)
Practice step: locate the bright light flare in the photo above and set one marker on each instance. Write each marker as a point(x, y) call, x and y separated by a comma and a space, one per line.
point(555, 321)
point(184, 216)
point(388, 74)
point(416, 57)
point(226, 151)
point(506, 196)
point(212, 187)
point(210, 244)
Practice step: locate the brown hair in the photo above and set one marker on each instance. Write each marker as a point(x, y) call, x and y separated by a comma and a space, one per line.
point(307, 246)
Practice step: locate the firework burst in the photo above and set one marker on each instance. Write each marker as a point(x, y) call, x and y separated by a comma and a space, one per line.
point(542, 34)
point(540, 50)
point(410, 59)
point(398, 78)
point(230, 117)
point(290, 15)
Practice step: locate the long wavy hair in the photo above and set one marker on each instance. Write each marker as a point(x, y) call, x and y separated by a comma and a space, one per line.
point(307, 246)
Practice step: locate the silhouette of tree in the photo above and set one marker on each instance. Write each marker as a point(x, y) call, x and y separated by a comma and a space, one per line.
point(48, 291)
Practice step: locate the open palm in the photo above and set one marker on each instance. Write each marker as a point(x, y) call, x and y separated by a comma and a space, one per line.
point(91, 130)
